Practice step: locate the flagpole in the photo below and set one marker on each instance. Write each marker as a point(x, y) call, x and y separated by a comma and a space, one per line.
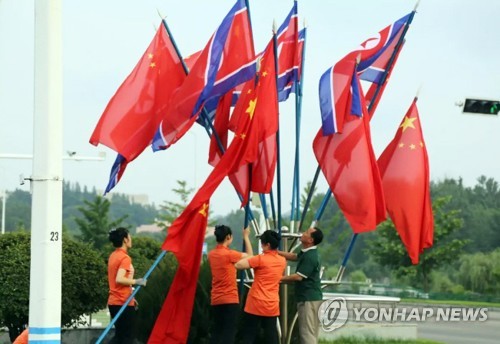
point(298, 115)
point(278, 158)
point(374, 100)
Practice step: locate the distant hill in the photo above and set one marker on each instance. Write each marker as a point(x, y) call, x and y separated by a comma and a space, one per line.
point(18, 208)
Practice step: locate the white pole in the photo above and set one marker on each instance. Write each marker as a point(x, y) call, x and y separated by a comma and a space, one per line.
point(46, 210)
point(4, 194)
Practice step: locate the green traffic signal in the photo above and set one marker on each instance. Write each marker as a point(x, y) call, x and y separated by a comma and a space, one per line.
point(489, 107)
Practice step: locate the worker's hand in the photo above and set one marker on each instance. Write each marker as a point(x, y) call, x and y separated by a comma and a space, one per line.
point(141, 282)
point(246, 232)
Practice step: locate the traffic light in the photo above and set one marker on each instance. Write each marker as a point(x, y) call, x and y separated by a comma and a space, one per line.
point(489, 107)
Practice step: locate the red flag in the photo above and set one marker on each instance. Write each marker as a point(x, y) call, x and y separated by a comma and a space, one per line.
point(377, 88)
point(185, 236)
point(133, 114)
point(349, 165)
point(264, 167)
point(227, 60)
point(404, 167)
point(221, 123)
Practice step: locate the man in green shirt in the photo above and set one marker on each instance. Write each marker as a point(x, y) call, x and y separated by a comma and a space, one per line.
point(307, 284)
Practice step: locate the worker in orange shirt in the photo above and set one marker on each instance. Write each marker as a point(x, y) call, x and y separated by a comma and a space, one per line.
point(262, 307)
point(22, 338)
point(224, 296)
point(121, 279)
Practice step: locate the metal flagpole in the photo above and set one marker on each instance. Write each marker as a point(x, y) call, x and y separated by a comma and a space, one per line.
point(46, 181)
point(294, 214)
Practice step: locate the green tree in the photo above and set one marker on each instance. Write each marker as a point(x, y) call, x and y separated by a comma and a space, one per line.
point(169, 210)
point(95, 224)
point(84, 283)
point(480, 272)
point(17, 210)
point(386, 247)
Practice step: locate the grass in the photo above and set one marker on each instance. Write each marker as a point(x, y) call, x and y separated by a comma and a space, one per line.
point(355, 340)
point(452, 302)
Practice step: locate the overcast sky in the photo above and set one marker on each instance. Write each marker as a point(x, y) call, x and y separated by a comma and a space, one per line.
point(451, 52)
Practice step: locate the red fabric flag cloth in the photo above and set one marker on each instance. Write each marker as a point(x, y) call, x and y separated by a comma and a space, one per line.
point(185, 236)
point(227, 60)
point(264, 167)
point(133, 114)
point(348, 162)
point(185, 239)
point(404, 167)
point(221, 123)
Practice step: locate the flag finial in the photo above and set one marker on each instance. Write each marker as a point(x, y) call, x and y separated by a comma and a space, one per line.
point(159, 13)
point(305, 23)
point(418, 92)
point(416, 5)
point(274, 26)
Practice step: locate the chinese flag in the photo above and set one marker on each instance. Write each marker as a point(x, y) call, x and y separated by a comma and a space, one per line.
point(263, 168)
point(404, 168)
point(185, 239)
point(185, 236)
point(350, 168)
point(133, 114)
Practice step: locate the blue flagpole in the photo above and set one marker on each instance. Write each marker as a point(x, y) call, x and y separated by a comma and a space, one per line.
point(131, 297)
point(278, 158)
point(298, 90)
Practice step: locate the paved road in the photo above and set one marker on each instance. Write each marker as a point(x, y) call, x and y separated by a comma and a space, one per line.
point(487, 332)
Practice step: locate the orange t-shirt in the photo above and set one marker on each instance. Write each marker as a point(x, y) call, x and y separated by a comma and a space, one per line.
point(22, 338)
point(263, 298)
point(224, 288)
point(119, 293)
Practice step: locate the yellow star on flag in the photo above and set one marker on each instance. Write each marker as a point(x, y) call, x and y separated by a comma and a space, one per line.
point(251, 107)
point(203, 210)
point(401, 145)
point(264, 74)
point(421, 144)
point(408, 123)
point(150, 56)
point(152, 65)
point(412, 146)
point(242, 136)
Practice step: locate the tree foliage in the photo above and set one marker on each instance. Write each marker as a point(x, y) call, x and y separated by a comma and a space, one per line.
point(84, 283)
point(480, 272)
point(170, 210)
point(95, 224)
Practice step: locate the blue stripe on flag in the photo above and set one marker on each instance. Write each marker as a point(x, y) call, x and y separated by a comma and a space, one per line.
point(326, 102)
point(215, 55)
point(356, 97)
point(158, 141)
point(372, 75)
